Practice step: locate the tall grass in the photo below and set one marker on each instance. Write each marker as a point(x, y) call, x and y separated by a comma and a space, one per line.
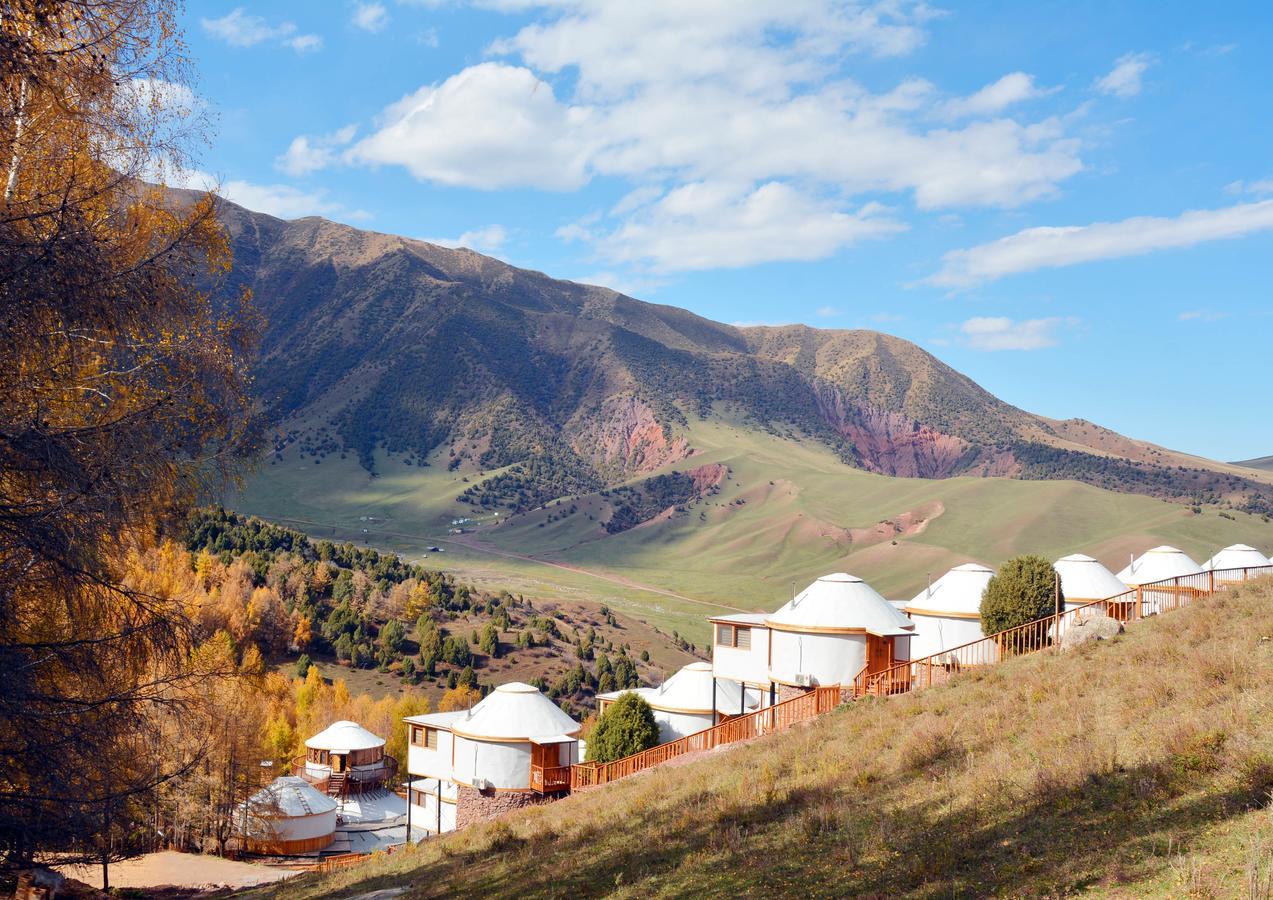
point(1141, 766)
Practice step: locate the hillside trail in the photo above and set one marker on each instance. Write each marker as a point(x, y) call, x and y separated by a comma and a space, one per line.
point(475, 544)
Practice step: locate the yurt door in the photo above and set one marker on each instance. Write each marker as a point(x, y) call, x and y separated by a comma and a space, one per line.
point(338, 762)
point(879, 653)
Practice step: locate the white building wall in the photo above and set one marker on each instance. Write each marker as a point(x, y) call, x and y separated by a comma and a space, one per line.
point(936, 634)
point(425, 763)
point(674, 725)
point(827, 658)
point(293, 828)
point(504, 765)
point(750, 666)
point(425, 815)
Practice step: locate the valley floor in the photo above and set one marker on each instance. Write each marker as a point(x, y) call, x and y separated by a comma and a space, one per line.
point(1142, 766)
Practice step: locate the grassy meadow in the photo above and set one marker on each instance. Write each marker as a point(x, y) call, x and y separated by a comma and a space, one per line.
point(1141, 766)
point(789, 512)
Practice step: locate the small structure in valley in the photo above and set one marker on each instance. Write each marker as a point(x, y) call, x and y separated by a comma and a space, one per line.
point(346, 759)
point(512, 749)
point(287, 817)
point(690, 701)
point(948, 612)
point(831, 631)
point(1084, 580)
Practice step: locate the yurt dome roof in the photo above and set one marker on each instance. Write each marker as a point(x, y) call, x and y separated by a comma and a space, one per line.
point(343, 737)
point(1084, 578)
point(290, 796)
point(1239, 556)
point(958, 591)
point(840, 603)
point(514, 712)
point(1158, 564)
point(690, 691)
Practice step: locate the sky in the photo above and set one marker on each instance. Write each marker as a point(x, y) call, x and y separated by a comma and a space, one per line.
point(1070, 202)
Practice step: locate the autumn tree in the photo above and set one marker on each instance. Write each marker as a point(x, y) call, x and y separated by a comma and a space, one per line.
point(122, 394)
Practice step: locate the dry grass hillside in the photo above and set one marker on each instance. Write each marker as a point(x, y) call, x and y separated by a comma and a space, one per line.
point(1138, 767)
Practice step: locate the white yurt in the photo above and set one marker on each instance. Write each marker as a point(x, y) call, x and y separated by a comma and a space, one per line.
point(831, 630)
point(1084, 580)
point(1239, 556)
point(288, 816)
point(683, 704)
point(948, 612)
point(346, 758)
point(1157, 565)
point(514, 728)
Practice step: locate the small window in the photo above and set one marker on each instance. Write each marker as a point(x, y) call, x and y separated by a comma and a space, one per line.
point(742, 638)
point(417, 735)
point(430, 739)
point(725, 635)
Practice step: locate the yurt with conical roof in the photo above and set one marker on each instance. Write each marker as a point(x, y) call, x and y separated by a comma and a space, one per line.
point(1238, 563)
point(509, 741)
point(345, 758)
point(690, 701)
point(1169, 572)
point(288, 816)
point(1084, 580)
point(832, 629)
point(948, 612)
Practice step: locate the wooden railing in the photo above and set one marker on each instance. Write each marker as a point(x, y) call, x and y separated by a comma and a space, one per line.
point(549, 779)
point(770, 720)
point(351, 781)
point(1129, 606)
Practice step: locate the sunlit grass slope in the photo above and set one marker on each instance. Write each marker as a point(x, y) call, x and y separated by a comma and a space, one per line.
point(1137, 767)
point(789, 512)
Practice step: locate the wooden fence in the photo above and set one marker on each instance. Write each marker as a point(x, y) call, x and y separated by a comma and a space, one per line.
point(770, 720)
point(1129, 606)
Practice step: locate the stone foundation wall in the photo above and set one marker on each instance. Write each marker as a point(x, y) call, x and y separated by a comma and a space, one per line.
point(481, 806)
point(789, 692)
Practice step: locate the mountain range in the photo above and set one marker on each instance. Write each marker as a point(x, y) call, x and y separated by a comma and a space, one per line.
point(376, 343)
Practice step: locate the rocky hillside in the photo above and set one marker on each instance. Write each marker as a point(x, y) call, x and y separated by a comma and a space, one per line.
point(383, 343)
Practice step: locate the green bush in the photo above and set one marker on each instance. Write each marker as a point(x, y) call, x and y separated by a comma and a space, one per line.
point(626, 727)
point(1024, 589)
point(302, 665)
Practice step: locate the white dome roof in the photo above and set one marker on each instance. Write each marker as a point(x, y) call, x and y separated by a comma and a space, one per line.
point(1157, 565)
point(840, 602)
point(1239, 556)
point(514, 712)
point(289, 796)
point(344, 736)
point(690, 691)
point(1084, 578)
point(958, 591)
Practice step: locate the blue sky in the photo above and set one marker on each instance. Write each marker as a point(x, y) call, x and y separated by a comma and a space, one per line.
point(1071, 203)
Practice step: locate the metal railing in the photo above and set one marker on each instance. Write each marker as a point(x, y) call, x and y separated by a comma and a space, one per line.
point(1130, 606)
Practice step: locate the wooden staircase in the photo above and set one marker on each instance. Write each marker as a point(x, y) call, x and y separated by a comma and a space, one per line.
point(336, 785)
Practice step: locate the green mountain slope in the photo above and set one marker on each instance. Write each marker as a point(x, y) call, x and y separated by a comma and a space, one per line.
point(1137, 767)
point(378, 344)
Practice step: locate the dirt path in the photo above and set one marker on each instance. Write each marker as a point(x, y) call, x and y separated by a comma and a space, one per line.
point(170, 868)
point(475, 544)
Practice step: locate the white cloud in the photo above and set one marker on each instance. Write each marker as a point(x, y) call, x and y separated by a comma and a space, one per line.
point(1202, 315)
point(242, 29)
point(1015, 87)
point(491, 126)
point(305, 154)
point(1124, 80)
point(624, 284)
point(731, 94)
point(827, 312)
point(1055, 247)
point(370, 16)
point(158, 95)
point(707, 225)
point(288, 202)
point(484, 240)
point(991, 333)
point(1260, 188)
